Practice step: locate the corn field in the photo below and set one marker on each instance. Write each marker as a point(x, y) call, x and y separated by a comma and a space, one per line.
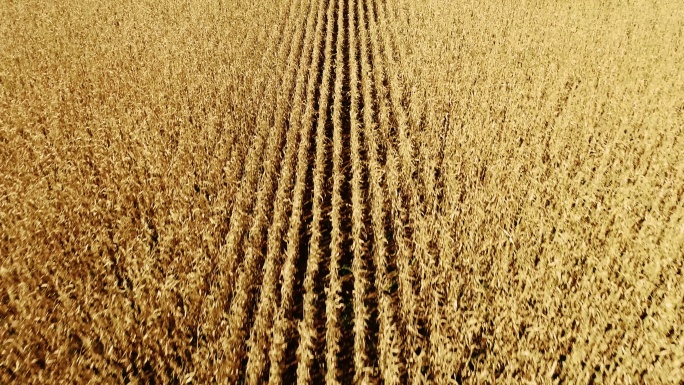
point(341, 191)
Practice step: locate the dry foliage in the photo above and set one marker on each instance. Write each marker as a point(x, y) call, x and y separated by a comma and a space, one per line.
point(341, 191)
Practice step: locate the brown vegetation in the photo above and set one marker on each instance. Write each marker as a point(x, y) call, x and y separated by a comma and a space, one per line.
point(341, 191)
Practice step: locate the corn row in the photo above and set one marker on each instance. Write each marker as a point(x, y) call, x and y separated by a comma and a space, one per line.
point(240, 215)
point(228, 254)
point(333, 300)
point(259, 340)
point(234, 345)
point(405, 253)
point(389, 342)
point(361, 316)
point(307, 331)
point(421, 235)
point(281, 324)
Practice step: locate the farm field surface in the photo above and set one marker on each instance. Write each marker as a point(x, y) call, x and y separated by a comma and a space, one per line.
point(341, 191)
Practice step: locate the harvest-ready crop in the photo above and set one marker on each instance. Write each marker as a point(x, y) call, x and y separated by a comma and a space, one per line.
point(341, 191)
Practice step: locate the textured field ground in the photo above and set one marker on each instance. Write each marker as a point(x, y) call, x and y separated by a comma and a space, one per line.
point(341, 191)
